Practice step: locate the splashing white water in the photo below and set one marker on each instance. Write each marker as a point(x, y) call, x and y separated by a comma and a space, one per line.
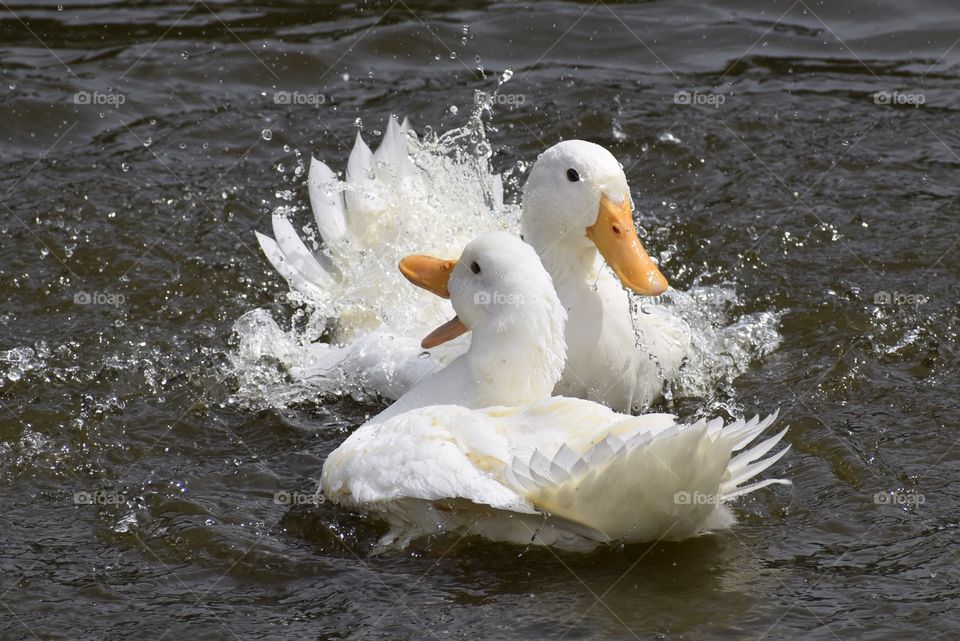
point(432, 195)
point(723, 345)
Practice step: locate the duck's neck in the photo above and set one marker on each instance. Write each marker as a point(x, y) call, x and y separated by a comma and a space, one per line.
point(520, 359)
point(571, 264)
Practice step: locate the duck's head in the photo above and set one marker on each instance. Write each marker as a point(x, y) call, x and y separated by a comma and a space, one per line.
point(501, 292)
point(575, 202)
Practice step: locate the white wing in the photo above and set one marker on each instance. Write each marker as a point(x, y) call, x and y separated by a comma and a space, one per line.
point(407, 197)
point(641, 483)
point(415, 456)
point(591, 474)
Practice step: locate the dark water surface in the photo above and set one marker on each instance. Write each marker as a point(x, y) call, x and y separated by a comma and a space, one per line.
point(126, 222)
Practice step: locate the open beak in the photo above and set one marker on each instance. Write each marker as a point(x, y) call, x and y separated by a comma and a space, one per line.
point(616, 238)
point(433, 275)
point(446, 332)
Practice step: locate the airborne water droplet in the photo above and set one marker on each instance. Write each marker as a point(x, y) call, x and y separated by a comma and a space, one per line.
point(266, 134)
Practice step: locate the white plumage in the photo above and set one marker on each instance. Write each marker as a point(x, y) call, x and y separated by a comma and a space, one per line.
point(385, 210)
point(557, 471)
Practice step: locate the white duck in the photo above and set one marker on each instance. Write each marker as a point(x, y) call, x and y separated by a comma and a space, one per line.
point(556, 471)
point(577, 212)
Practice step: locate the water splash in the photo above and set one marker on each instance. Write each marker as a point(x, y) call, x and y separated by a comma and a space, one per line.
point(433, 195)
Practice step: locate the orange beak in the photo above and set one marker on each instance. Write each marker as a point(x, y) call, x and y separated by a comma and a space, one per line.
point(446, 332)
point(433, 275)
point(616, 238)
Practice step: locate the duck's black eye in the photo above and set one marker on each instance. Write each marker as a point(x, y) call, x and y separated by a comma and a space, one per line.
point(572, 175)
point(474, 267)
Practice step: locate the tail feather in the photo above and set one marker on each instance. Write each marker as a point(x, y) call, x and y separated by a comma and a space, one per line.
point(752, 429)
point(361, 198)
point(392, 160)
point(628, 488)
point(750, 471)
point(298, 256)
point(327, 202)
point(285, 268)
point(746, 489)
point(754, 453)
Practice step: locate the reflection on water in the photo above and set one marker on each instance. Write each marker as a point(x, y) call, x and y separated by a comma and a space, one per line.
point(800, 155)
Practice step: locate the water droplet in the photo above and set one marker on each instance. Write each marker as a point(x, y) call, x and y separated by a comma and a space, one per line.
point(506, 76)
point(454, 109)
point(147, 141)
point(266, 134)
point(184, 55)
point(124, 167)
point(346, 77)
